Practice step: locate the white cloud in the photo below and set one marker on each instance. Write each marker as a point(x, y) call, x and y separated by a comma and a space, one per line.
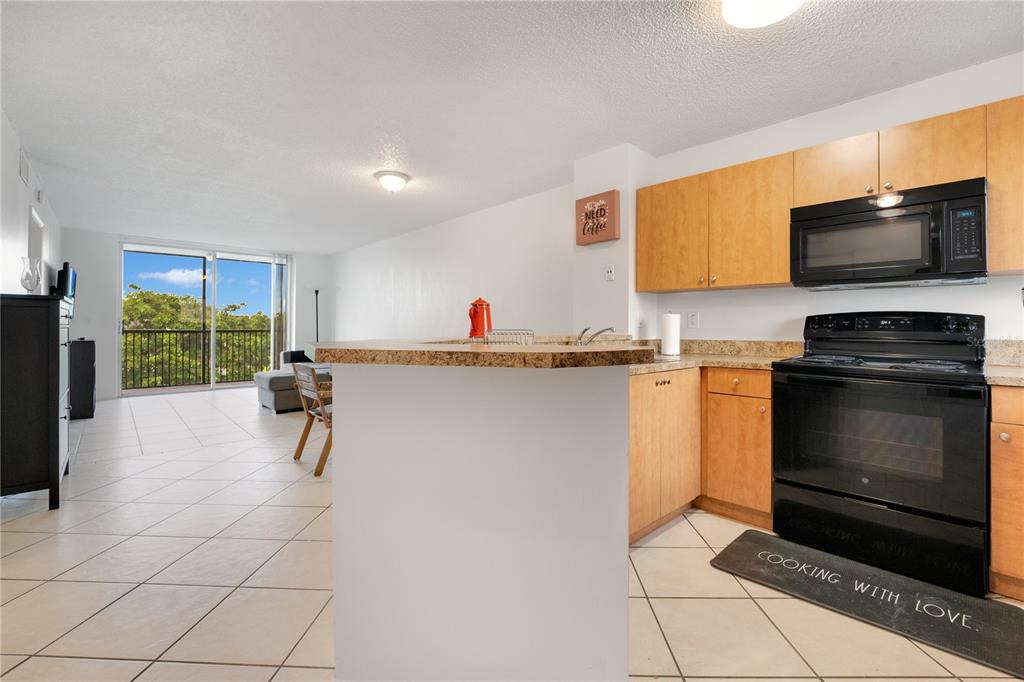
point(253, 282)
point(176, 276)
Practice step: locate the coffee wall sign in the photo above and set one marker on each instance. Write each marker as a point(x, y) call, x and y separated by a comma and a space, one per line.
point(597, 218)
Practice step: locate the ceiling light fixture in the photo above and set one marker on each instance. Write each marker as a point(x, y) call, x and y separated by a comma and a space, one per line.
point(757, 13)
point(392, 181)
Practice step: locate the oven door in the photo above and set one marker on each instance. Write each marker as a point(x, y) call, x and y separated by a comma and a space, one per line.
point(885, 244)
point(908, 445)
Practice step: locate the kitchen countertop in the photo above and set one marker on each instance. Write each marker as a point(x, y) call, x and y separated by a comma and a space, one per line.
point(547, 355)
point(995, 375)
point(554, 352)
point(1004, 375)
point(666, 363)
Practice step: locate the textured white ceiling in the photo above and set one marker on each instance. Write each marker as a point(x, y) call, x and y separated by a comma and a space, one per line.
point(260, 124)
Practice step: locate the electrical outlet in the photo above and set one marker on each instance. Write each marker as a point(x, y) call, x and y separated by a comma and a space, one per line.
point(693, 320)
point(609, 273)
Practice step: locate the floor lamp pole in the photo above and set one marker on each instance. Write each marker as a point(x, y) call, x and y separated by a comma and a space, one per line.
point(316, 295)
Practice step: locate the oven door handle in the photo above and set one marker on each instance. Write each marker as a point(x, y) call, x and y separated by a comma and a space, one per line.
point(904, 388)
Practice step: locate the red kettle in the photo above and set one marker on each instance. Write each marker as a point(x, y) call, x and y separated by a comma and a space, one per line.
point(479, 319)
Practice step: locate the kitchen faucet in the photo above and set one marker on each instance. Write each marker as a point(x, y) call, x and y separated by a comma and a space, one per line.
point(581, 342)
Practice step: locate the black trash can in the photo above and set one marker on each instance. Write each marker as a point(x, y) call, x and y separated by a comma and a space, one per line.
point(82, 382)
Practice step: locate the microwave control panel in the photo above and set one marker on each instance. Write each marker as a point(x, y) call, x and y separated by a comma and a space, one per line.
point(967, 232)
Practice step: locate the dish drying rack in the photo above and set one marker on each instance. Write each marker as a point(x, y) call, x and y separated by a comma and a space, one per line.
point(515, 337)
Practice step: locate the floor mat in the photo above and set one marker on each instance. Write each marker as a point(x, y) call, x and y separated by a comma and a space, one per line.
point(983, 630)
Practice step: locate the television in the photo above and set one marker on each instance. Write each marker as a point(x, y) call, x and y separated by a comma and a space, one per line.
point(65, 288)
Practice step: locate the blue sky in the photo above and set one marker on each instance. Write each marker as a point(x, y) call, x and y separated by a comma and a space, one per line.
point(238, 281)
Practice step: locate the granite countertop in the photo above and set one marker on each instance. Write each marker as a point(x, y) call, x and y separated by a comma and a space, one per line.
point(549, 354)
point(1004, 375)
point(667, 363)
point(614, 349)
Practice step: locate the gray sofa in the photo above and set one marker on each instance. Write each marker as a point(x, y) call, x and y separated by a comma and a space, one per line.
point(276, 388)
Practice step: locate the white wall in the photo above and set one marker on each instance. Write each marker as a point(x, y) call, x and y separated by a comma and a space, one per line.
point(778, 313)
point(517, 255)
point(311, 272)
point(16, 201)
point(598, 303)
point(96, 257)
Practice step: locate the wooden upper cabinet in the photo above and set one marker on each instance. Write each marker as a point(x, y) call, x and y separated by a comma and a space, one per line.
point(748, 208)
point(672, 235)
point(932, 151)
point(844, 169)
point(1006, 185)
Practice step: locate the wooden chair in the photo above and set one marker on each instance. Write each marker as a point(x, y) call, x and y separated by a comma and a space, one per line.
point(316, 401)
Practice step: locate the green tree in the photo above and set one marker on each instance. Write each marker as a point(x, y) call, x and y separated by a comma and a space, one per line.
point(166, 344)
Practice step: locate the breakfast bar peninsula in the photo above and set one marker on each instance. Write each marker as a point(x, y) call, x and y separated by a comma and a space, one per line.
point(480, 509)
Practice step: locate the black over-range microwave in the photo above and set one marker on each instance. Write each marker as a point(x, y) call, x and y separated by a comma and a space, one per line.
point(929, 235)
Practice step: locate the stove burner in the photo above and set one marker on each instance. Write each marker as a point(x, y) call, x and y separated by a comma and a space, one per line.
point(833, 359)
point(934, 366)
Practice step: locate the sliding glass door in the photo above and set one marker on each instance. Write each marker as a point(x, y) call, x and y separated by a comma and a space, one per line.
point(194, 318)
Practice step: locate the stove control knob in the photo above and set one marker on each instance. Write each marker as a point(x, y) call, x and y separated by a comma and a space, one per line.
point(968, 325)
point(830, 323)
point(813, 324)
point(947, 324)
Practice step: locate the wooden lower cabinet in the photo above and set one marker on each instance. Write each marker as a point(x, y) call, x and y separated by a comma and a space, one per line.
point(739, 451)
point(1007, 561)
point(664, 446)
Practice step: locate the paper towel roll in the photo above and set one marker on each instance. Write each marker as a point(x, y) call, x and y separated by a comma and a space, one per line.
point(670, 334)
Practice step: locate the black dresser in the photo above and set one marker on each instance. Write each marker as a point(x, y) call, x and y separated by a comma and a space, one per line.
point(34, 409)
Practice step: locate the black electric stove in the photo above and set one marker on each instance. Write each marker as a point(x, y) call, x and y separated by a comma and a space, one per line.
point(880, 443)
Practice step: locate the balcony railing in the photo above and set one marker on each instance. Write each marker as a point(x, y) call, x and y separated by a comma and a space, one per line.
point(158, 358)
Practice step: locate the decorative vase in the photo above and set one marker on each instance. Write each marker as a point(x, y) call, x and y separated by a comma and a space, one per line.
point(30, 274)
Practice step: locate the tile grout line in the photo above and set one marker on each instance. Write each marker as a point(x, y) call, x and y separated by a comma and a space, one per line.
point(305, 632)
point(919, 648)
point(650, 607)
point(759, 607)
point(231, 592)
point(205, 540)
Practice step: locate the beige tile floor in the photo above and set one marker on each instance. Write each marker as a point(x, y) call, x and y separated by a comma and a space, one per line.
point(191, 547)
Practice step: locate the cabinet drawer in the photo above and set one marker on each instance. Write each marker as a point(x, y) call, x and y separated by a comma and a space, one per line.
point(1008, 499)
point(754, 383)
point(1008, 404)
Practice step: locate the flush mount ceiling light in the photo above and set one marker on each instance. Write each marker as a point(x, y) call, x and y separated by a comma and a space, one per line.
point(757, 13)
point(392, 181)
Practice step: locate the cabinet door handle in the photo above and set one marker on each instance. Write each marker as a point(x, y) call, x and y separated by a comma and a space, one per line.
point(700, 280)
point(1005, 437)
point(762, 409)
point(736, 381)
point(714, 278)
point(887, 185)
point(869, 189)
